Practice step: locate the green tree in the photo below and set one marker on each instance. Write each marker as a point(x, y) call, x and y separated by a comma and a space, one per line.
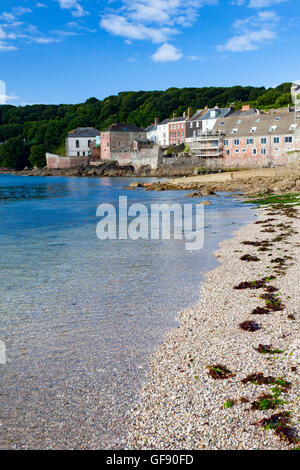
point(37, 156)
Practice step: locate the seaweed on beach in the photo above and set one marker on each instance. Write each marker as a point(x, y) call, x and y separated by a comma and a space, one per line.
point(266, 401)
point(280, 423)
point(291, 317)
point(251, 285)
point(249, 325)
point(258, 378)
point(267, 349)
point(249, 258)
point(260, 311)
point(273, 302)
point(219, 371)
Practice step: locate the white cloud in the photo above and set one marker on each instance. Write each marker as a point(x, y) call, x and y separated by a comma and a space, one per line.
point(264, 3)
point(120, 26)
point(74, 6)
point(253, 32)
point(248, 41)
point(41, 5)
point(194, 57)
point(155, 20)
point(167, 53)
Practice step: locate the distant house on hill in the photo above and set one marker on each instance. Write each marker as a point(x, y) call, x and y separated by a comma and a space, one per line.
point(79, 140)
point(118, 138)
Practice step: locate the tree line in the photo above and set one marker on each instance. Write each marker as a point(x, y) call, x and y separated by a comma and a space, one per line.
point(27, 132)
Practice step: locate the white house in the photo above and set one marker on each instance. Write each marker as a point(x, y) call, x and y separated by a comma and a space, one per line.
point(79, 140)
point(163, 132)
point(152, 134)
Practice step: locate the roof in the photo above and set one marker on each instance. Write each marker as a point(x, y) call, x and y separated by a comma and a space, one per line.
point(123, 128)
point(247, 112)
point(150, 128)
point(84, 132)
point(220, 113)
point(262, 122)
point(197, 115)
point(165, 121)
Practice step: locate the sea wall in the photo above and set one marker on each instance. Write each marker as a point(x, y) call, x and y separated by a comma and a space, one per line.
point(55, 162)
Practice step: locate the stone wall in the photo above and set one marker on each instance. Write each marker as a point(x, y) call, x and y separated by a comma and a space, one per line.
point(55, 162)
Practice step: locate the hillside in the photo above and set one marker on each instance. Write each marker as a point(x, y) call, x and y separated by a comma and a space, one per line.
point(27, 132)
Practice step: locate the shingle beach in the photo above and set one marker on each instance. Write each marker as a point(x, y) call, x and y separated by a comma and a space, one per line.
point(182, 406)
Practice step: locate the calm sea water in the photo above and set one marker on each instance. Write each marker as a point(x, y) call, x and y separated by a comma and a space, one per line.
point(80, 316)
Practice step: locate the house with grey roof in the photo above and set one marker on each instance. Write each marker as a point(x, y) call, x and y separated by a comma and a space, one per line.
point(78, 141)
point(250, 140)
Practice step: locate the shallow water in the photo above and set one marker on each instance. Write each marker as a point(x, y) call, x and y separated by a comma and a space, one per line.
point(80, 316)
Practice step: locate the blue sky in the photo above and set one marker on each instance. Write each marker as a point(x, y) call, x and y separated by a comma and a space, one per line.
point(65, 51)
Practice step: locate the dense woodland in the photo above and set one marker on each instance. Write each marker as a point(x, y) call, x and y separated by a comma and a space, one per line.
point(26, 133)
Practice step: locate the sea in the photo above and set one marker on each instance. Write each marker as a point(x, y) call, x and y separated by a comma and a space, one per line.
point(80, 316)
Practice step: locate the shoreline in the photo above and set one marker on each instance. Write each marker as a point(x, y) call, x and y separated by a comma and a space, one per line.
point(181, 406)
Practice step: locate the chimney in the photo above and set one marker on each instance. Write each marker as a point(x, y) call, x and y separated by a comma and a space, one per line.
point(231, 107)
point(246, 107)
point(190, 112)
point(206, 108)
point(184, 114)
point(174, 115)
point(156, 121)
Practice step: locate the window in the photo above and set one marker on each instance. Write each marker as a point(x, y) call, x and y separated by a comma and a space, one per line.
point(77, 144)
point(234, 131)
point(263, 140)
point(236, 141)
point(226, 142)
point(253, 129)
point(222, 123)
point(197, 124)
point(288, 139)
point(273, 128)
point(89, 143)
point(254, 151)
point(293, 127)
point(78, 154)
point(277, 119)
point(191, 125)
point(83, 154)
point(249, 141)
point(237, 151)
point(244, 150)
point(227, 152)
point(263, 151)
point(276, 140)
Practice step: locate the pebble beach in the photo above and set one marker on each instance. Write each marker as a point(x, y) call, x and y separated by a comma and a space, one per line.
point(213, 385)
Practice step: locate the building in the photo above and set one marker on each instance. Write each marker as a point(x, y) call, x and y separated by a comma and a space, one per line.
point(250, 140)
point(79, 140)
point(163, 133)
point(194, 126)
point(118, 139)
point(152, 132)
point(177, 127)
point(209, 116)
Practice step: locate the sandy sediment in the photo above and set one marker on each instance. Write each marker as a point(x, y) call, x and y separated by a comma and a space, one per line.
point(182, 406)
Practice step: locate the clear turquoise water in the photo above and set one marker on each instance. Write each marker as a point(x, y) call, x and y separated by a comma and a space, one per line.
point(80, 316)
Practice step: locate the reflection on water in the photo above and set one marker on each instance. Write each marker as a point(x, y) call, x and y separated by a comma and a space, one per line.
point(80, 316)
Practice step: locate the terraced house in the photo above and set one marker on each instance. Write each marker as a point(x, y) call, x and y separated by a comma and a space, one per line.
point(254, 140)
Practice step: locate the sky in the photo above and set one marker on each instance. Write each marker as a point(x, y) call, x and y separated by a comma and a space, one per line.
point(66, 51)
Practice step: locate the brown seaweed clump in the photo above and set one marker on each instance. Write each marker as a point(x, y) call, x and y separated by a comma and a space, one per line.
point(280, 424)
point(258, 378)
point(249, 258)
point(219, 371)
point(249, 325)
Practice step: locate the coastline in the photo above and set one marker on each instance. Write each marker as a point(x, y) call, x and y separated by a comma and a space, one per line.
point(181, 406)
